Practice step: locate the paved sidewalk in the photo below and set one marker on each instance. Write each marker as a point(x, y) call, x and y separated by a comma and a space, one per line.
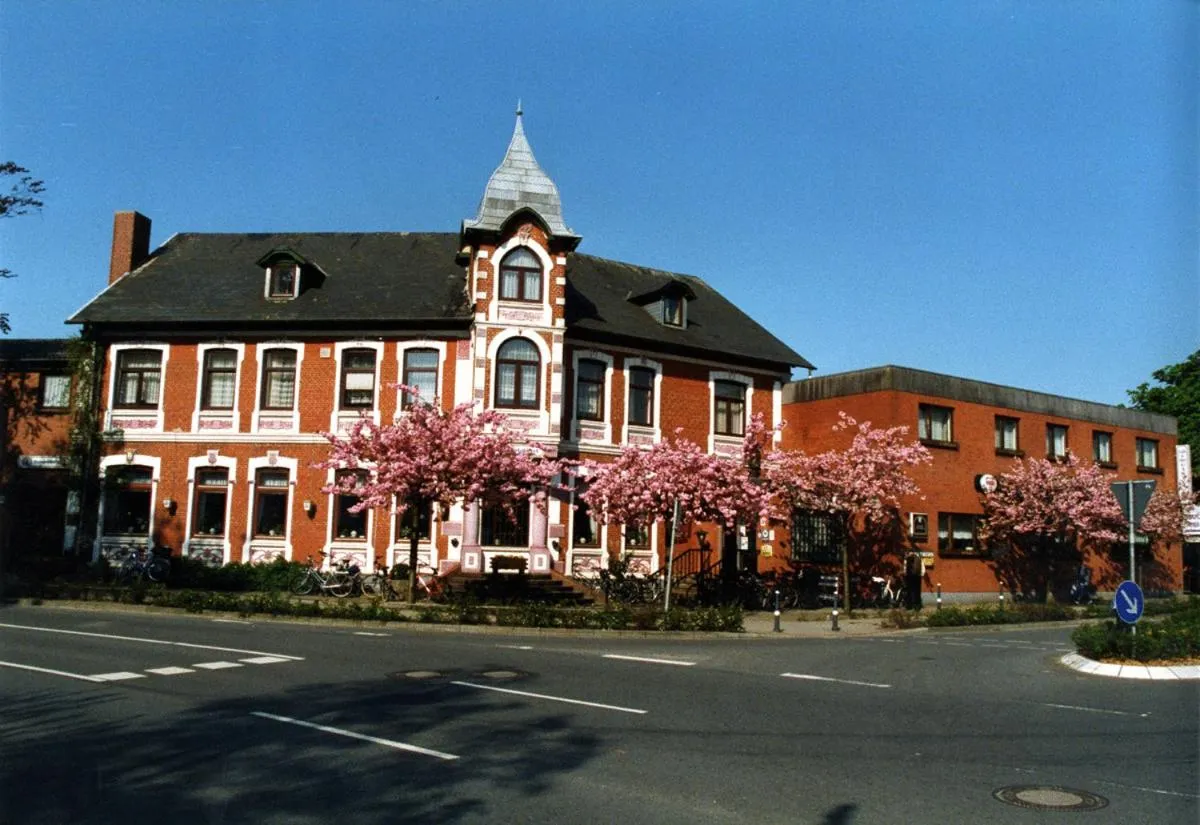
point(811, 623)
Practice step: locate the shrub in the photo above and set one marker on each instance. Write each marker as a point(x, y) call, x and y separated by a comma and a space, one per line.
point(1175, 637)
point(988, 614)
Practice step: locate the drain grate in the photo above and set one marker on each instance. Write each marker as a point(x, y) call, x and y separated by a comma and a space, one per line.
point(501, 674)
point(1050, 798)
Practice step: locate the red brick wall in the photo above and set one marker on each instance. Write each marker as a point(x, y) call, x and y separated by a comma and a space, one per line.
point(947, 485)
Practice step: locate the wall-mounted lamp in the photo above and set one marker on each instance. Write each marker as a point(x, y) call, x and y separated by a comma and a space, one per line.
point(130, 455)
point(581, 471)
point(701, 535)
point(454, 542)
point(309, 506)
point(169, 504)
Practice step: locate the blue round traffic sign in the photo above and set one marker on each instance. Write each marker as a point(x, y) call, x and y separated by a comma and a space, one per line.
point(1129, 602)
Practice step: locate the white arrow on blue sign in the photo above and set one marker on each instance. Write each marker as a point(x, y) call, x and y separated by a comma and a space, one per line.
point(1129, 602)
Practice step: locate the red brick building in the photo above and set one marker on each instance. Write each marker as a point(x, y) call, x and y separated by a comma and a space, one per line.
point(226, 355)
point(37, 509)
point(975, 428)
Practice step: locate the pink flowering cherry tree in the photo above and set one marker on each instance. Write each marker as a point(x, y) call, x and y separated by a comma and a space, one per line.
point(1042, 513)
point(675, 478)
point(1162, 522)
point(858, 487)
point(432, 457)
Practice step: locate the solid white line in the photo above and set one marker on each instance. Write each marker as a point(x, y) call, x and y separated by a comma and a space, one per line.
point(169, 671)
point(829, 679)
point(1147, 790)
point(648, 659)
point(230, 621)
point(149, 641)
point(1095, 710)
point(116, 677)
point(517, 647)
point(51, 672)
point(216, 665)
point(365, 633)
point(400, 746)
point(549, 698)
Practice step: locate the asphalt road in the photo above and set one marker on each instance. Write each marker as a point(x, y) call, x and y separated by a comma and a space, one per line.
point(131, 718)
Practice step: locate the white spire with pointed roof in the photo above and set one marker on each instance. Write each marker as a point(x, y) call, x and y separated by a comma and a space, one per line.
point(520, 183)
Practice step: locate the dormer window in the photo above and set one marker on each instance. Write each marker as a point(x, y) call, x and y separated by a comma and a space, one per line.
point(288, 273)
point(283, 278)
point(672, 310)
point(521, 276)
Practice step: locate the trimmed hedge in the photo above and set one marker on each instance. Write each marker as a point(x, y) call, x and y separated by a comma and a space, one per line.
point(989, 614)
point(1175, 637)
point(276, 603)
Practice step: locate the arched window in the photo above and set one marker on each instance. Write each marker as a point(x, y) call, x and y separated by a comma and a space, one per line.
point(521, 276)
point(517, 368)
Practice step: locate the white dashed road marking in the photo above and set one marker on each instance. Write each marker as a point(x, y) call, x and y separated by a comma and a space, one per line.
point(169, 671)
point(216, 665)
point(389, 743)
point(649, 660)
point(264, 660)
point(812, 678)
point(116, 677)
point(550, 698)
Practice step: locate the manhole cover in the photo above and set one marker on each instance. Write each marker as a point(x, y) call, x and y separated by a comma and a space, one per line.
point(419, 674)
point(500, 674)
point(1050, 798)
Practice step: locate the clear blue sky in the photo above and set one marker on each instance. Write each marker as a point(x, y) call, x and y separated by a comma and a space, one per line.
point(999, 190)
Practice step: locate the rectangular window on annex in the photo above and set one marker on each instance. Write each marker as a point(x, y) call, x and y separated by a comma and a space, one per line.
point(54, 391)
point(1147, 454)
point(956, 533)
point(935, 424)
point(1006, 435)
point(1056, 441)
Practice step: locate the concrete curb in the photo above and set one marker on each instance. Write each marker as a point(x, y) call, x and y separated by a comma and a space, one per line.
point(1148, 672)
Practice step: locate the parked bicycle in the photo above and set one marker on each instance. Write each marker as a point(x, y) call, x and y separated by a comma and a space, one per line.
point(154, 566)
point(338, 581)
point(380, 583)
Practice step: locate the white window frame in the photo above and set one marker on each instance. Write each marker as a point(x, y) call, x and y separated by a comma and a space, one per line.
point(260, 415)
point(269, 295)
point(340, 420)
point(427, 551)
point(605, 423)
point(640, 433)
point(267, 548)
point(139, 420)
point(195, 464)
point(542, 308)
point(533, 421)
point(112, 547)
point(231, 418)
point(404, 346)
point(728, 444)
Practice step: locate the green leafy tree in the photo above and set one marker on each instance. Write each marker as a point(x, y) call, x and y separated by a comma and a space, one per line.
point(21, 198)
point(1176, 392)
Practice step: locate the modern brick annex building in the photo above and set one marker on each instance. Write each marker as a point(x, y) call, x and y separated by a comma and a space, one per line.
point(225, 356)
point(976, 429)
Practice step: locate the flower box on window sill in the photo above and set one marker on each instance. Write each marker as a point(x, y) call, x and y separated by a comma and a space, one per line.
point(939, 445)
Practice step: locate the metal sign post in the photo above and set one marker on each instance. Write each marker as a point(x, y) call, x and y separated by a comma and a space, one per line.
point(1133, 497)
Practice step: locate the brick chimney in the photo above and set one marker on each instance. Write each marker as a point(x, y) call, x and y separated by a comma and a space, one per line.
point(130, 245)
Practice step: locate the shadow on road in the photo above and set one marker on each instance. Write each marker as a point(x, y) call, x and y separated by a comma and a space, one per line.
point(92, 757)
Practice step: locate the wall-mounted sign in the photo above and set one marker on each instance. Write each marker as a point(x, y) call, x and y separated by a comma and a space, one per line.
point(986, 483)
point(41, 462)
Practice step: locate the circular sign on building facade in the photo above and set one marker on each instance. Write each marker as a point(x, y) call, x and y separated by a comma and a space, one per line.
point(986, 483)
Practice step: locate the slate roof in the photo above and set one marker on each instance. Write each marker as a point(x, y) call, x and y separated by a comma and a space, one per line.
point(398, 280)
point(599, 307)
point(394, 278)
point(33, 351)
point(520, 183)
